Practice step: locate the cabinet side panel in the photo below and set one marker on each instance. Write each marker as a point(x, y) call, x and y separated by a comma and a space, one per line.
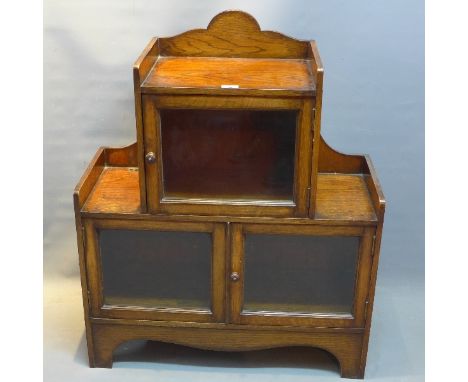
point(80, 236)
point(371, 288)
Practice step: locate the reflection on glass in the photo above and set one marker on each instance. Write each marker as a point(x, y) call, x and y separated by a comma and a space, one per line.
point(302, 274)
point(230, 154)
point(156, 269)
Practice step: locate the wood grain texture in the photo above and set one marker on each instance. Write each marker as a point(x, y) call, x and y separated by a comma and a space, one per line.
point(236, 289)
point(378, 199)
point(225, 102)
point(339, 196)
point(343, 197)
point(199, 75)
point(152, 140)
point(374, 187)
point(345, 347)
point(122, 156)
point(303, 165)
point(80, 194)
point(90, 176)
point(224, 326)
point(331, 160)
point(218, 268)
point(116, 191)
point(145, 62)
point(233, 34)
point(372, 285)
point(141, 68)
point(317, 70)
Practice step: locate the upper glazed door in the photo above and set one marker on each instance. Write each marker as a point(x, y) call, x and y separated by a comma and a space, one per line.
point(227, 155)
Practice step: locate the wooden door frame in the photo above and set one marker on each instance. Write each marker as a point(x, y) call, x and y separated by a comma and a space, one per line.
point(158, 203)
point(363, 274)
point(216, 313)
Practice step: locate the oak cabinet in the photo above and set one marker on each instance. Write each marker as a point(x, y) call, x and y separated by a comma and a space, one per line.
point(229, 224)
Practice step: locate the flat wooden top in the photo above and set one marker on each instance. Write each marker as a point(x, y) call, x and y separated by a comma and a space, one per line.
point(343, 197)
point(339, 196)
point(230, 76)
point(116, 191)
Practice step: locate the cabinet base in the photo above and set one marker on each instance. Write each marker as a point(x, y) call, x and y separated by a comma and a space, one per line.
point(345, 346)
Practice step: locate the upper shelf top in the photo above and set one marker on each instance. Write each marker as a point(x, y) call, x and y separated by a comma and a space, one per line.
point(219, 75)
point(233, 56)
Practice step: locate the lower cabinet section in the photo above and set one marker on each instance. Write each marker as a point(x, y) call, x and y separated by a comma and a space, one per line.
point(228, 286)
point(300, 275)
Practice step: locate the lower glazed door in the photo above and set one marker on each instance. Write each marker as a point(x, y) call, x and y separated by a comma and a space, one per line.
point(299, 275)
point(156, 270)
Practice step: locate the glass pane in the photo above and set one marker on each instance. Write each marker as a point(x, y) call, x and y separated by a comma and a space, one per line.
point(156, 269)
point(304, 274)
point(230, 154)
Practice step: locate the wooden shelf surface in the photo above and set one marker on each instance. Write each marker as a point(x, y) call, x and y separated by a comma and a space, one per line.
point(339, 196)
point(230, 76)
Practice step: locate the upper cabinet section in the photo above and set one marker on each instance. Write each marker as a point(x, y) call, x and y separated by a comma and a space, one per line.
point(226, 121)
point(233, 56)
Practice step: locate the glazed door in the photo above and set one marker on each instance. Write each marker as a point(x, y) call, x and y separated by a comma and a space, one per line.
point(220, 155)
point(299, 275)
point(156, 270)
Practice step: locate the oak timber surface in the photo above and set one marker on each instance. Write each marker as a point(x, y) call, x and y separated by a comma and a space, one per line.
point(339, 196)
point(116, 191)
point(343, 196)
point(251, 75)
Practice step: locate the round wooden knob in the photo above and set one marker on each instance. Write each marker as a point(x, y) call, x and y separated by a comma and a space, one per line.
point(150, 157)
point(235, 276)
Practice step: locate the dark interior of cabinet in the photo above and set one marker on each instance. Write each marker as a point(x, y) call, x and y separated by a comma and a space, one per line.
point(156, 269)
point(298, 273)
point(228, 154)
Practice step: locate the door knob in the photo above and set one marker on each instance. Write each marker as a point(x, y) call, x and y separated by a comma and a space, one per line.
point(235, 276)
point(150, 157)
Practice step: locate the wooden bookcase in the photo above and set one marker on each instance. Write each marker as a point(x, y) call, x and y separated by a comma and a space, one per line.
point(230, 224)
